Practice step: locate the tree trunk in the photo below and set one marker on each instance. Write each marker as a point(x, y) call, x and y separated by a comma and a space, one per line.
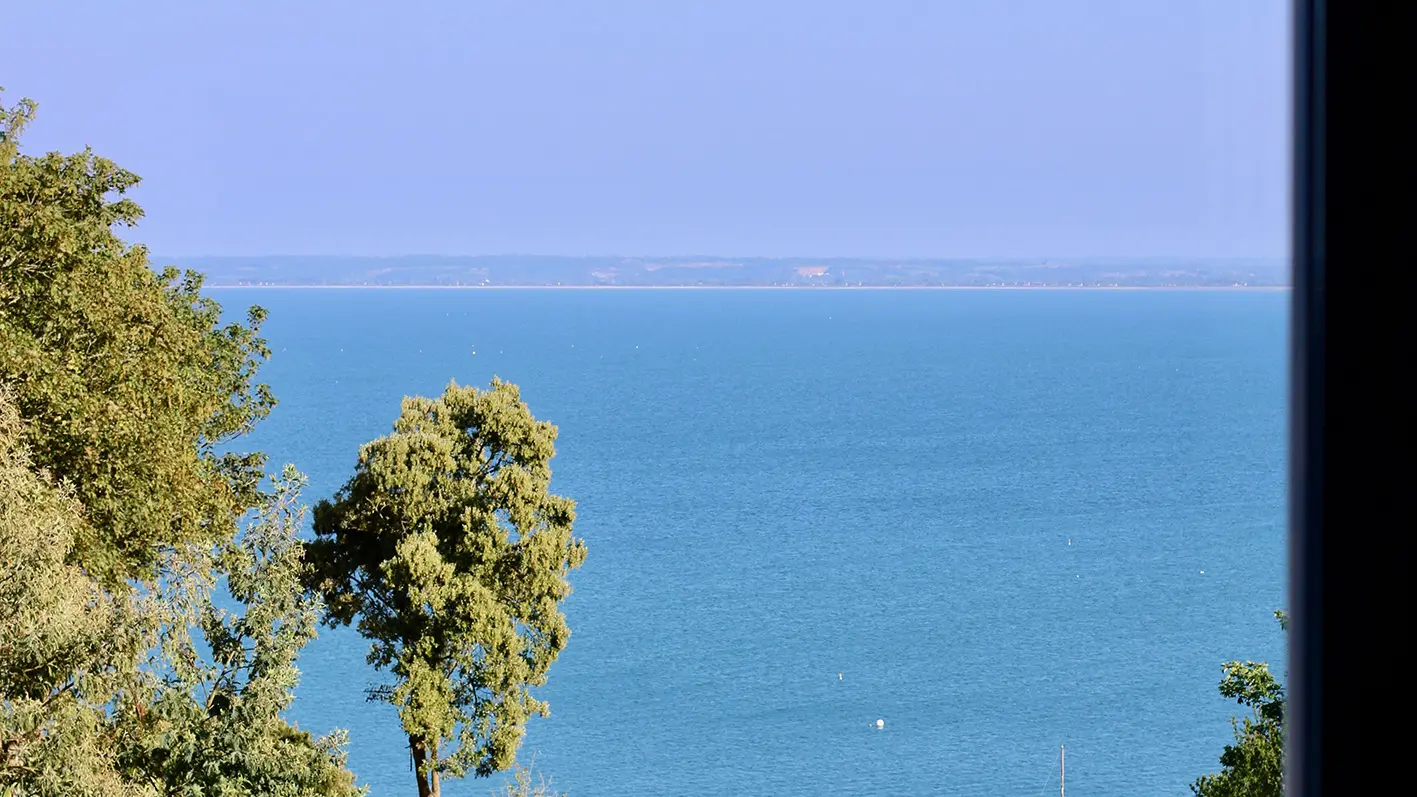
point(428, 785)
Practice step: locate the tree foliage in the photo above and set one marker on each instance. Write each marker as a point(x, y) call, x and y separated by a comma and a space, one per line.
point(126, 378)
point(65, 644)
point(450, 553)
point(1254, 765)
point(118, 516)
point(107, 693)
point(212, 724)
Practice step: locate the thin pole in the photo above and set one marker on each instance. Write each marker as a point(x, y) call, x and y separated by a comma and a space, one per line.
point(1062, 770)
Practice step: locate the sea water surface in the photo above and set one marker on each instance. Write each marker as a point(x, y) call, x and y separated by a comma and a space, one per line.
point(1003, 522)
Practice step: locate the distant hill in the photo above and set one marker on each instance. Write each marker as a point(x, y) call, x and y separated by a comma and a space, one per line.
point(535, 271)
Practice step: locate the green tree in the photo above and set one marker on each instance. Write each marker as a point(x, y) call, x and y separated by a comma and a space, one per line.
point(65, 645)
point(451, 554)
point(86, 712)
point(126, 378)
point(1254, 765)
point(213, 724)
point(117, 388)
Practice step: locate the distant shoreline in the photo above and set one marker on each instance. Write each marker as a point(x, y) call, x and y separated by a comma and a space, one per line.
point(802, 288)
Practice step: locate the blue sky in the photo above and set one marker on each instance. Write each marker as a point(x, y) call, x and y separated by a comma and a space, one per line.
point(936, 128)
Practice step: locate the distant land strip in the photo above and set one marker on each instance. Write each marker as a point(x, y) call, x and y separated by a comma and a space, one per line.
point(522, 271)
point(293, 287)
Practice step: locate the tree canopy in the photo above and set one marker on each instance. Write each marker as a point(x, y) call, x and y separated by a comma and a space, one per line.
point(211, 722)
point(450, 553)
point(1254, 765)
point(118, 516)
point(126, 378)
point(65, 644)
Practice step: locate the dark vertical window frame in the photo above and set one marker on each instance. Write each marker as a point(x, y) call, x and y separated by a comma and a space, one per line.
point(1303, 774)
point(1353, 483)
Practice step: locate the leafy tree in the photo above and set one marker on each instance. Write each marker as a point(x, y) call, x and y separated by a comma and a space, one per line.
point(65, 644)
point(117, 386)
point(1254, 765)
point(80, 716)
point(213, 725)
point(126, 378)
point(451, 554)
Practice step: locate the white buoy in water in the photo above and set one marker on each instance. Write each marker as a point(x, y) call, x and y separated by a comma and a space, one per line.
point(880, 724)
point(838, 676)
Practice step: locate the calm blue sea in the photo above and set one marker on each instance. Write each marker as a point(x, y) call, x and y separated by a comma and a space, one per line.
point(1001, 521)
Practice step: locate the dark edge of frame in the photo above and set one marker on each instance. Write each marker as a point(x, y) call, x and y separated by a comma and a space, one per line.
point(1353, 479)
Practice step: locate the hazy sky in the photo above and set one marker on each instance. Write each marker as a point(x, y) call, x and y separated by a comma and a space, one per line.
point(765, 127)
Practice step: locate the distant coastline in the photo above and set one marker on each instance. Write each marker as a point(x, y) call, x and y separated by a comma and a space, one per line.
point(805, 288)
point(705, 272)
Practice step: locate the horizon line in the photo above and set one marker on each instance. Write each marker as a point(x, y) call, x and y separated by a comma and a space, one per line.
point(1030, 258)
point(823, 288)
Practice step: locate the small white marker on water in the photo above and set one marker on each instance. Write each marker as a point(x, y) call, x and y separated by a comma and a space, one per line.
point(880, 724)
